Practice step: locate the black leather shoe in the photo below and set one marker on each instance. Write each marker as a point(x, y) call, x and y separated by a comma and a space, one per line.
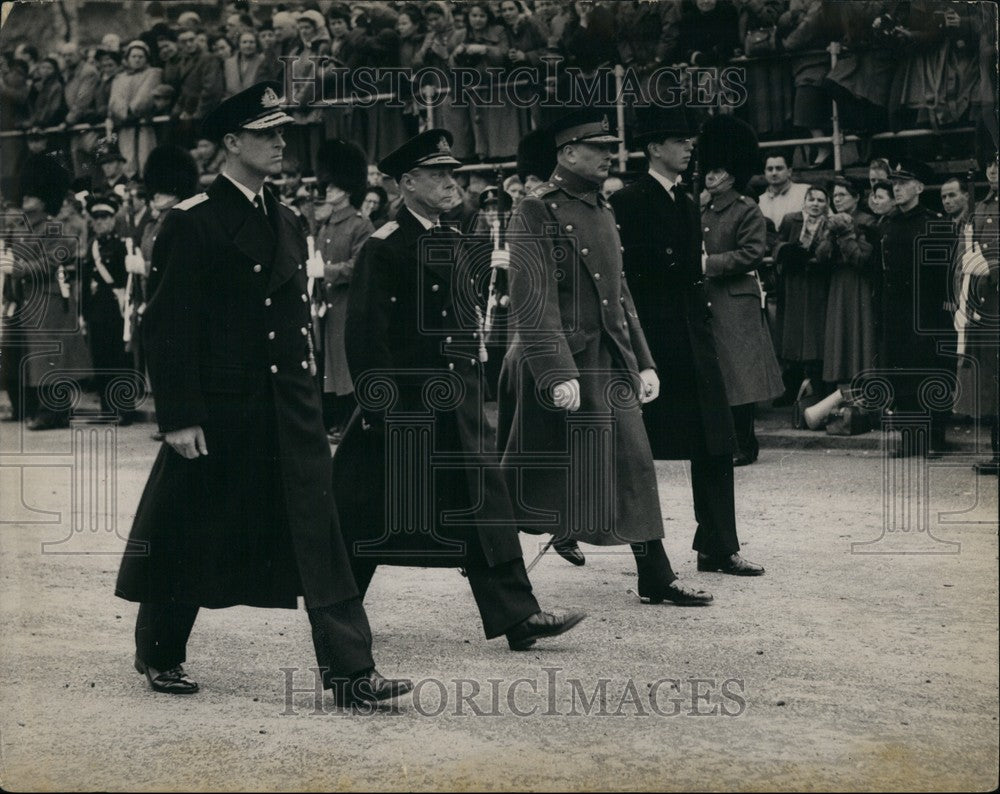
point(541, 624)
point(677, 594)
point(569, 550)
point(733, 564)
point(48, 422)
point(369, 687)
point(173, 681)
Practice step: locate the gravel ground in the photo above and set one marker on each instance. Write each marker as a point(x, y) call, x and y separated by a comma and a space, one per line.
point(839, 669)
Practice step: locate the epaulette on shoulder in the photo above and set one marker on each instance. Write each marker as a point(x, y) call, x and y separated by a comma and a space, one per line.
point(544, 189)
point(194, 201)
point(384, 230)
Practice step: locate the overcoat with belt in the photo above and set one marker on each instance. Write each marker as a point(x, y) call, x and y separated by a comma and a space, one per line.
point(691, 417)
point(586, 474)
point(417, 477)
point(735, 238)
point(228, 344)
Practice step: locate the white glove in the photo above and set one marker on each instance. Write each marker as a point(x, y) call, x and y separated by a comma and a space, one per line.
point(134, 263)
point(315, 266)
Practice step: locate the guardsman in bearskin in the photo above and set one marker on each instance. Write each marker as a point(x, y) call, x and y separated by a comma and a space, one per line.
point(690, 420)
point(977, 275)
point(416, 476)
point(104, 305)
point(44, 348)
point(170, 176)
point(575, 451)
point(238, 507)
point(341, 174)
point(734, 239)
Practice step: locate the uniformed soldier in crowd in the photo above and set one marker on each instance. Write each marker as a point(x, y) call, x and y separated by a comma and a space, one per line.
point(416, 476)
point(44, 349)
point(112, 164)
point(690, 420)
point(975, 286)
point(734, 240)
point(914, 316)
point(578, 368)
point(238, 507)
point(105, 300)
point(342, 171)
point(170, 176)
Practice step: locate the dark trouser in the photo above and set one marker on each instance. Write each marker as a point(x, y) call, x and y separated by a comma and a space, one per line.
point(503, 593)
point(341, 636)
point(652, 565)
point(111, 360)
point(35, 405)
point(337, 409)
point(714, 505)
point(743, 420)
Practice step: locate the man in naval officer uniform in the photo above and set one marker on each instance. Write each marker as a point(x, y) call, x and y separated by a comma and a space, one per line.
point(238, 507)
point(416, 477)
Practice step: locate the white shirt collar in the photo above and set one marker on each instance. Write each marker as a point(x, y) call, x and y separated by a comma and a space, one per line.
point(667, 183)
point(427, 223)
point(245, 190)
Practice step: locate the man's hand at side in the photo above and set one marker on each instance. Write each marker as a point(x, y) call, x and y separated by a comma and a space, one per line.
point(189, 442)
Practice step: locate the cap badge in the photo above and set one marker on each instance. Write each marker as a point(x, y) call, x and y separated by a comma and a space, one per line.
point(605, 125)
point(443, 145)
point(269, 99)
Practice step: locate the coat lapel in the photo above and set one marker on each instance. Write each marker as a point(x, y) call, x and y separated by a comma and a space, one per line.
point(434, 258)
point(289, 253)
point(254, 239)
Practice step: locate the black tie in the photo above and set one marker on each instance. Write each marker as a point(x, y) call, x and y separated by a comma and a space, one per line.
point(259, 205)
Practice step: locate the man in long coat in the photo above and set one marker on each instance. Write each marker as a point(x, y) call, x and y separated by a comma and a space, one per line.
point(575, 451)
point(238, 507)
point(915, 321)
point(978, 274)
point(690, 420)
point(416, 477)
point(734, 242)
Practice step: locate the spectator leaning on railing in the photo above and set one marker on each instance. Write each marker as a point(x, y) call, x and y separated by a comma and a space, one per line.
point(82, 81)
point(131, 103)
point(46, 98)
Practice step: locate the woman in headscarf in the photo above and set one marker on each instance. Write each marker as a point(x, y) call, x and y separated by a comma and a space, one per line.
point(131, 103)
point(806, 284)
point(241, 70)
point(847, 249)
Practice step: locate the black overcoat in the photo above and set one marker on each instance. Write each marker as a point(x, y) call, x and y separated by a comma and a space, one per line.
point(228, 345)
point(691, 417)
point(417, 477)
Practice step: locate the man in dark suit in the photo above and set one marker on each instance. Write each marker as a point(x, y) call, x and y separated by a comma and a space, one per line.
point(238, 507)
point(691, 419)
point(416, 477)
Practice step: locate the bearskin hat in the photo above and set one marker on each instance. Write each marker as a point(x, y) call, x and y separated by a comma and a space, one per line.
point(344, 165)
point(170, 170)
point(730, 143)
point(44, 178)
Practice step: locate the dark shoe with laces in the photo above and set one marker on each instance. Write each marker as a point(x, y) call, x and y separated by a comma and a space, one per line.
point(569, 550)
point(678, 594)
point(539, 625)
point(987, 466)
point(732, 564)
point(173, 681)
point(368, 687)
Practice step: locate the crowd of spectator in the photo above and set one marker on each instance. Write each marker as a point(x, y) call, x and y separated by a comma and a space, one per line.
point(900, 64)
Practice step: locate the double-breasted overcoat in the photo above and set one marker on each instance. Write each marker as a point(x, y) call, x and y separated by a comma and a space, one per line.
point(691, 417)
point(735, 237)
point(417, 477)
point(586, 474)
point(229, 349)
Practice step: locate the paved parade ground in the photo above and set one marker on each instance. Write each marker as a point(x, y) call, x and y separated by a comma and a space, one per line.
point(866, 657)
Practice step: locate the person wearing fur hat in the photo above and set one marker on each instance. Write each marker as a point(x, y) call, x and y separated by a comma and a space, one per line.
point(734, 243)
point(103, 302)
point(342, 170)
point(41, 317)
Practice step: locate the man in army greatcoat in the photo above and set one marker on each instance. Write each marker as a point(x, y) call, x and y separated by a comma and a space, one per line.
point(238, 508)
point(578, 368)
